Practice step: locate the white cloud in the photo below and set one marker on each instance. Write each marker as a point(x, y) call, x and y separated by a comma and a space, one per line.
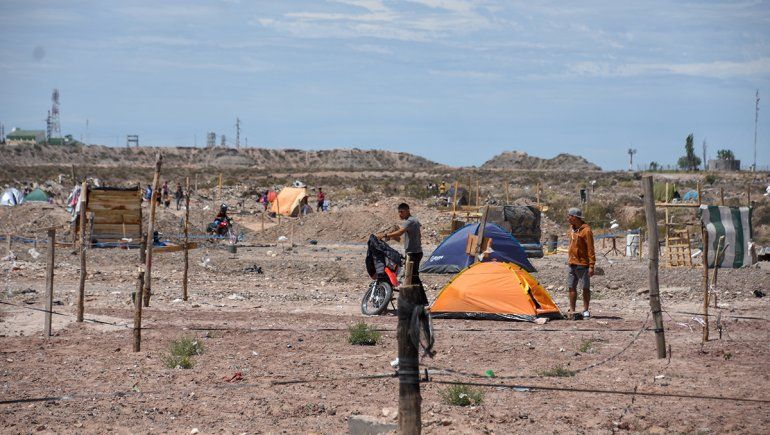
point(371, 48)
point(467, 74)
point(716, 69)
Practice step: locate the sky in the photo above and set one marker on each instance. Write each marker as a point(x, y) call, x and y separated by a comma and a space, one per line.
point(454, 81)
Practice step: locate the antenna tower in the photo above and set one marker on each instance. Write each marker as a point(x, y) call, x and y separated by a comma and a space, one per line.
point(631, 152)
point(54, 124)
point(224, 142)
point(237, 132)
point(705, 162)
point(211, 139)
point(756, 119)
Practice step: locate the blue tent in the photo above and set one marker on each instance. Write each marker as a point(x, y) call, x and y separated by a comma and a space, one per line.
point(450, 256)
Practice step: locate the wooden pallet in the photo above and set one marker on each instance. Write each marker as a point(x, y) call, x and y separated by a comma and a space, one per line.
point(678, 248)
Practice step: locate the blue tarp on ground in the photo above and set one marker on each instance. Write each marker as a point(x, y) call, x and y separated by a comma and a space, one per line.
point(450, 256)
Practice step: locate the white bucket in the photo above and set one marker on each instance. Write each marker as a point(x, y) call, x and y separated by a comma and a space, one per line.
point(632, 245)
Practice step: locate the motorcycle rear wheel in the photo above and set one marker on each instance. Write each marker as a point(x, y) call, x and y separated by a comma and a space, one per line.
point(376, 299)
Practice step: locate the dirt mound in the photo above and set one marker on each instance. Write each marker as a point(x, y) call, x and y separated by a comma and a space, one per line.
point(30, 220)
point(259, 158)
point(520, 160)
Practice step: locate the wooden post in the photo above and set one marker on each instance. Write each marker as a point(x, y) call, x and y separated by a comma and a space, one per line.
point(82, 288)
point(705, 236)
point(470, 190)
point(143, 249)
point(196, 181)
point(748, 194)
point(507, 198)
point(722, 195)
point(409, 399)
point(537, 196)
point(219, 189)
point(700, 196)
point(49, 282)
point(138, 313)
point(150, 229)
point(480, 234)
point(652, 229)
point(717, 262)
point(277, 208)
point(478, 191)
point(454, 204)
point(186, 237)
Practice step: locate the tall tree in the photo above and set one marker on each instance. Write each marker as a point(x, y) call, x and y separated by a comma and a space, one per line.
point(689, 161)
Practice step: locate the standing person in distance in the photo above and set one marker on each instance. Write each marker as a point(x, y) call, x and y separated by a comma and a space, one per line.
point(320, 198)
point(178, 195)
point(581, 260)
point(410, 229)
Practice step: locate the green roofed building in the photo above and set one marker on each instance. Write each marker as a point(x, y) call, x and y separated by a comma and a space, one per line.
point(18, 137)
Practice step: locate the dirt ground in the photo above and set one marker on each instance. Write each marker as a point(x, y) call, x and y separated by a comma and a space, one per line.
point(290, 323)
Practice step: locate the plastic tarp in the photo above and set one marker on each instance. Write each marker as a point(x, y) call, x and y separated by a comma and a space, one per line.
point(450, 256)
point(11, 197)
point(37, 195)
point(287, 202)
point(734, 223)
point(494, 291)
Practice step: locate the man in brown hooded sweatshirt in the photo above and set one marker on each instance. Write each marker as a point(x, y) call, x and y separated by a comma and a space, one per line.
point(581, 260)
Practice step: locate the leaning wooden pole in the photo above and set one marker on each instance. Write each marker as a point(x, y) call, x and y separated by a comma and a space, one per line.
point(705, 237)
point(138, 313)
point(150, 230)
point(82, 288)
point(409, 399)
point(49, 282)
point(186, 238)
point(652, 230)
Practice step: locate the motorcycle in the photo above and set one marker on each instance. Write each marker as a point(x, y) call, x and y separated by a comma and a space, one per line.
point(383, 264)
point(220, 227)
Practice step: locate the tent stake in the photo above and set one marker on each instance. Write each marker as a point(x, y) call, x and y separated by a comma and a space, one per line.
point(49, 271)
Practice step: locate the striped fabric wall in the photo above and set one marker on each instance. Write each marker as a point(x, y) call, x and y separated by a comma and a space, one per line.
point(735, 224)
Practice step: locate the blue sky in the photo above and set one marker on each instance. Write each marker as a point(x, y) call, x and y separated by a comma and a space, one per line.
point(452, 80)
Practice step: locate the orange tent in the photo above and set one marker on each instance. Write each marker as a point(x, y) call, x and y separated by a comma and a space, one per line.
point(288, 201)
point(495, 291)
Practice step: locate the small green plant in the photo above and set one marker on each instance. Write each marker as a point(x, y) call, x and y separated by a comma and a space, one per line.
point(362, 334)
point(710, 179)
point(181, 352)
point(587, 346)
point(728, 356)
point(557, 372)
point(462, 395)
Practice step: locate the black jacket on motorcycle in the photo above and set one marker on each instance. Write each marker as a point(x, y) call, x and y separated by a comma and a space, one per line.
point(380, 255)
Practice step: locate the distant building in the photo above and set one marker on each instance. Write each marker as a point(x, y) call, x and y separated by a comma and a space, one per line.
point(19, 137)
point(724, 165)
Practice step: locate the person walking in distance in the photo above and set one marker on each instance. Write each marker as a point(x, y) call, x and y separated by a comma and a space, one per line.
point(410, 229)
point(178, 195)
point(581, 261)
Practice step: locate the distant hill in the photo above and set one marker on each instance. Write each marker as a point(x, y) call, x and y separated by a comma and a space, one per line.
point(520, 160)
point(218, 157)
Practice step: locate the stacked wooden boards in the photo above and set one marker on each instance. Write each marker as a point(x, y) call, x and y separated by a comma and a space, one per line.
point(116, 213)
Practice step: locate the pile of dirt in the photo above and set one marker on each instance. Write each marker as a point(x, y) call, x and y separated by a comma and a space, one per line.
point(31, 219)
point(519, 160)
point(191, 158)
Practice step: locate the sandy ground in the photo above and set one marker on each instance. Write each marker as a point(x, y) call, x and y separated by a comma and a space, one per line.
point(290, 323)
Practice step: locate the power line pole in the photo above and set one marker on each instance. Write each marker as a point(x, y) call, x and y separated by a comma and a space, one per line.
point(237, 132)
point(705, 165)
point(756, 120)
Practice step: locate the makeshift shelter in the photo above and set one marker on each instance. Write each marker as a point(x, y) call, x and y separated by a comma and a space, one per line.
point(11, 197)
point(523, 221)
point(116, 213)
point(288, 201)
point(734, 223)
point(461, 197)
point(451, 257)
point(494, 291)
point(36, 195)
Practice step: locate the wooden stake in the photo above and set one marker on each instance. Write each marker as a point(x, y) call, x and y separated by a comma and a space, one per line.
point(748, 194)
point(507, 198)
point(150, 229)
point(49, 282)
point(470, 190)
point(537, 196)
point(143, 249)
point(717, 263)
point(409, 399)
point(454, 207)
point(700, 195)
point(478, 192)
point(722, 195)
point(705, 236)
point(652, 229)
point(82, 287)
point(138, 313)
point(186, 237)
point(480, 234)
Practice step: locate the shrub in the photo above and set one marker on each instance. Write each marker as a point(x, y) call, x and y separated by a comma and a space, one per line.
point(558, 372)
point(362, 334)
point(710, 179)
point(461, 395)
point(181, 352)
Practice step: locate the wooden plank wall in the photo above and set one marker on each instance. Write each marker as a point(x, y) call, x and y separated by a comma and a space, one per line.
point(116, 214)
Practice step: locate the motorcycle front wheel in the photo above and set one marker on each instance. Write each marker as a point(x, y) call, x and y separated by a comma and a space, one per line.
point(376, 298)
